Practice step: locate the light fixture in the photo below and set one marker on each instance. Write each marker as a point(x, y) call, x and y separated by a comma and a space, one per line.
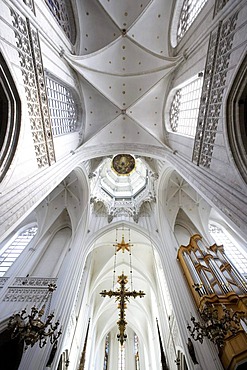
point(218, 322)
point(31, 328)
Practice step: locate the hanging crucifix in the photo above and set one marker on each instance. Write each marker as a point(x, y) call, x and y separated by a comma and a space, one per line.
point(122, 296)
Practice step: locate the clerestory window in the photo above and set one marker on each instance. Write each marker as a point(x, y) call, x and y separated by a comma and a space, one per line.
point(121, 357)
point(184, 107)
point(12, 250)
point(62, 107)
point(234, 252)
point(189, 12)
point(136, 351)
point(106, 355)
point(63, 13)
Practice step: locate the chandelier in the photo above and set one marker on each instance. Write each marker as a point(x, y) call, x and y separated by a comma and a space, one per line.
point(31, 328)
point(218, 322)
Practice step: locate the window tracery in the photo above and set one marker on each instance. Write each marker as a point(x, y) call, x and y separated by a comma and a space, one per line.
point(184, 108)
point(11, 251)
point(213, 90)
point(236, 255)
point(63, 13)
point(32, 70)
point(62, 107)
point(189, 12)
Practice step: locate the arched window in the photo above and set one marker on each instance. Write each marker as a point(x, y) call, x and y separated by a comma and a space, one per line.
point(11, 251)
point(184, 107)
point(136, 351)
point(234, 252)
point(63, 12)
point(107, 347)
point(237, 119)
point(53, 254)
point(10, 113)
point(189, 12)
point(121, 357)
point(181, 361)
point(62, 106)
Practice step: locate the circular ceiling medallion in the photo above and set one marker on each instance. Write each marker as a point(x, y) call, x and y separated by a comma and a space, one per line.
point(123, 164)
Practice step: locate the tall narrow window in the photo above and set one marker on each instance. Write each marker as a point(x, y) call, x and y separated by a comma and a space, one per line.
point(189, 12)
point(121, 357)
point(236, 254)
point(181, 361)
point(11, 251)
point(63, 13)
point(107, 347)
point(62, 106)
point(136, 350)
point(185, 107)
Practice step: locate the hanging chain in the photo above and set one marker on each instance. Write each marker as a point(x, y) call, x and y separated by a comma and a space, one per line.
point(48, 298)
point(115, 262)
point(131, 269)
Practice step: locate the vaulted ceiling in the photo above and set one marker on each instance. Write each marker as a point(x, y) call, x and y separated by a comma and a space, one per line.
point(124, 65)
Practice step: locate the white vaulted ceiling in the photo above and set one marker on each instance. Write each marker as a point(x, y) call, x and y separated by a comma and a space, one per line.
point(124, 66)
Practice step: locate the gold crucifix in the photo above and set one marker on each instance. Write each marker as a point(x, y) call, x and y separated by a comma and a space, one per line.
point(123, 246)
point(122, 296)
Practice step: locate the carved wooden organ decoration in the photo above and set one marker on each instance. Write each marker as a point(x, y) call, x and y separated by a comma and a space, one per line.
point(210, 272)
point(220, 293)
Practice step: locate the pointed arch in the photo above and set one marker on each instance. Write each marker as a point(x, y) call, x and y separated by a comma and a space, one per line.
point(55, 248)
point(237, 117)
point(10, 113)
point(12, 249)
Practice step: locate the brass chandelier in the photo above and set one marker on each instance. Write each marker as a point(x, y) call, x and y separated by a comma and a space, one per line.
point(218, 322)
point(31, 328)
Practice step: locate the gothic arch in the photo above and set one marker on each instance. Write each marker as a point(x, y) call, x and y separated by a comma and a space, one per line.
point(54, 247)
point(237, 118)
point(183, 228)
point(10, 112)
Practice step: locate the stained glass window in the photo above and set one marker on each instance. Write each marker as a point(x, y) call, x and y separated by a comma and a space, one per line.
point(136, 350)
point(234, 252)
point(11, 251)
point(185, 107)
point(106, 356)
point(63, 12)
point(62, 106)
point(189, 12)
